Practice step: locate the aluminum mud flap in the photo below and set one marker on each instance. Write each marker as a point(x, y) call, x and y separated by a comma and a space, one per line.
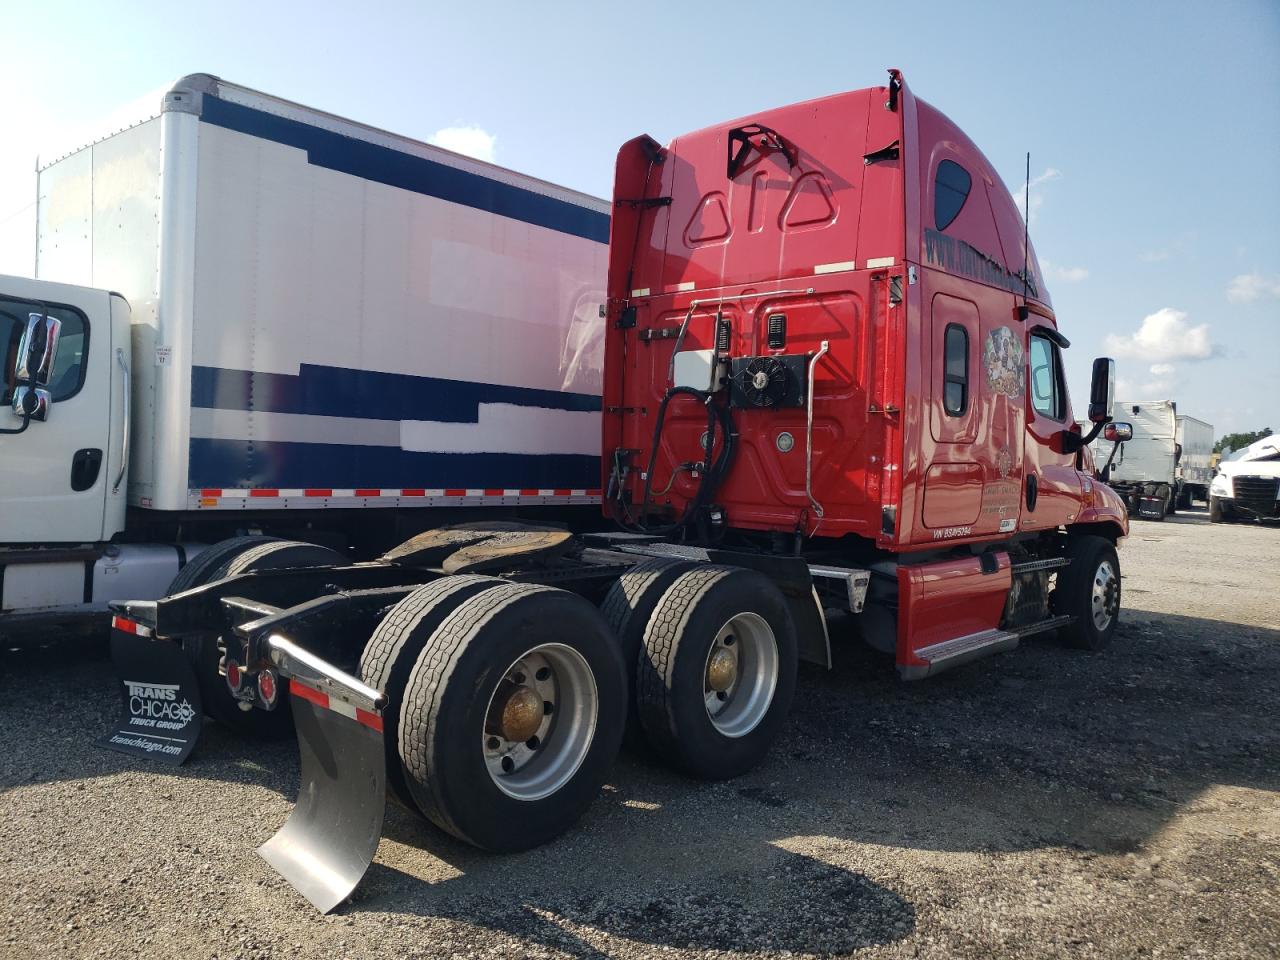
point(162, 713)
point(329, 840)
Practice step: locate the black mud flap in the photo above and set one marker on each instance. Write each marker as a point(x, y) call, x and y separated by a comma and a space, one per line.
point(1151, 508)
point(162, 714)
point(329, 840)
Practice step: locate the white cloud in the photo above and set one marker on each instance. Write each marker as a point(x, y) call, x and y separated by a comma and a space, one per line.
point(1249, 287)
point(1164, 335)
point(1037, 198)
point(1067, 274)
point(470, 141)
point(1155, 256)
point(1162, 383)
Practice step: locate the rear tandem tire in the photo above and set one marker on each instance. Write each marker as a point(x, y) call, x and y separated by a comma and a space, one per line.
point(225, 559)
point(393, 649)
point(1089, 589)
point(627, 608)
point(456, 764)
point(743, 615)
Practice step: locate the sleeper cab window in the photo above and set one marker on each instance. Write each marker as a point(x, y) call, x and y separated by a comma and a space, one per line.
point(955, 370)
point(1047, 396)
point(68, 371)
point(950, 190)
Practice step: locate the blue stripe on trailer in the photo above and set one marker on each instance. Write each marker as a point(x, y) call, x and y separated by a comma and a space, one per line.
point(370, 161)
point(238, 464)
point(367, 394)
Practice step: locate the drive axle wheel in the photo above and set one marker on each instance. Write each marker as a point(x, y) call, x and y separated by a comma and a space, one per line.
point(627, 607)
point(741, 675)
point(391, 652)
point(512, 715)
point(1089, 589)
point(548, 686)
point(718, 670)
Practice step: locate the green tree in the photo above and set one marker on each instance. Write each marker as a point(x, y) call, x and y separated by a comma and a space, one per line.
point(1238, 441)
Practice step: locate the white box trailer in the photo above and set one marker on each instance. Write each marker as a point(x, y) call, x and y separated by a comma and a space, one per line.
point(1195, 459)
point(1142, 470)
point(308, 314)
point(1167, 463)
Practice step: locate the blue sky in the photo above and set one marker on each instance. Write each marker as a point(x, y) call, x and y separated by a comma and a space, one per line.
point(1154, 129)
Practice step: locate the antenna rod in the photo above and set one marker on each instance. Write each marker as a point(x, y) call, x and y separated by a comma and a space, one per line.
point(1026, 233)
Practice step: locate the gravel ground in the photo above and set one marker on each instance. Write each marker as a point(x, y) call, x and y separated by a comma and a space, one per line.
point(1047, 802)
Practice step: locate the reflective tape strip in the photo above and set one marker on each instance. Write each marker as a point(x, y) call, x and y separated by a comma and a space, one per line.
point(364, 717)
point(125, 625)
point(880, 262)
point(274, 497)
point(640, 292)
point(835, 267)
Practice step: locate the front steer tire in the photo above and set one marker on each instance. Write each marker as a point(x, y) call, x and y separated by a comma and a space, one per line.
point(446, 719)
point(696, 613)
point(1088, 589)
point(1218, 513)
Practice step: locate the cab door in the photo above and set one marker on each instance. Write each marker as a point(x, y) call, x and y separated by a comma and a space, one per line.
point(53, 475)
point(1051, 483)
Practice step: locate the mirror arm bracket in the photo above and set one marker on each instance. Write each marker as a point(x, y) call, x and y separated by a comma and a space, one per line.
point(1092, 435)
point(1073, 442)
point(10, 431)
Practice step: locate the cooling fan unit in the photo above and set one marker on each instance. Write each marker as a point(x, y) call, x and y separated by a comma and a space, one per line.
point(768, 382)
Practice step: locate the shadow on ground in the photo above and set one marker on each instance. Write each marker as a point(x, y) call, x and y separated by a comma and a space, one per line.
point(1041, 747)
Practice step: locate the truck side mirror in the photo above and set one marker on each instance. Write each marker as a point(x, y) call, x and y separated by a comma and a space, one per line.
point(31, 402)
point(33, 366)
point(1118, 432)
point(1101, 388)
point(37, 349)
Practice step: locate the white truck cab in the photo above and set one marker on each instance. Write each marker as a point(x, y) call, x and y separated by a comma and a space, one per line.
point(1248, 483)
point(64, 453)
point(62, 475)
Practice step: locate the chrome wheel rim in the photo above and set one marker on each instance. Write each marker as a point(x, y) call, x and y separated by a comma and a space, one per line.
point(1104, 598)
point(536, 766)
point(739, 705)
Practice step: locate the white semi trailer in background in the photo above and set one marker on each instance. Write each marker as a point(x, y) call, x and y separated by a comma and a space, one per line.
point(1165, 465)
point(1194, 472)
point(250, 317)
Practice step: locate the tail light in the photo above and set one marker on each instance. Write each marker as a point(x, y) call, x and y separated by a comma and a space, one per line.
point(268, 688)
point(235, 677)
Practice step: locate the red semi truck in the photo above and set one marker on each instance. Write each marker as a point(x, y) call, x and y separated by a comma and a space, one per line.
point(834, 381)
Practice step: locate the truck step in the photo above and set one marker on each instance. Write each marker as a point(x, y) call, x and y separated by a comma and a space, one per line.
point(1053, 623)
point(961, 649)
point(1030, 566)
point(954, 652)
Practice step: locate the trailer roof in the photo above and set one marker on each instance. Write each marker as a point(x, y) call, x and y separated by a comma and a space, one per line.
point(186, 95)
